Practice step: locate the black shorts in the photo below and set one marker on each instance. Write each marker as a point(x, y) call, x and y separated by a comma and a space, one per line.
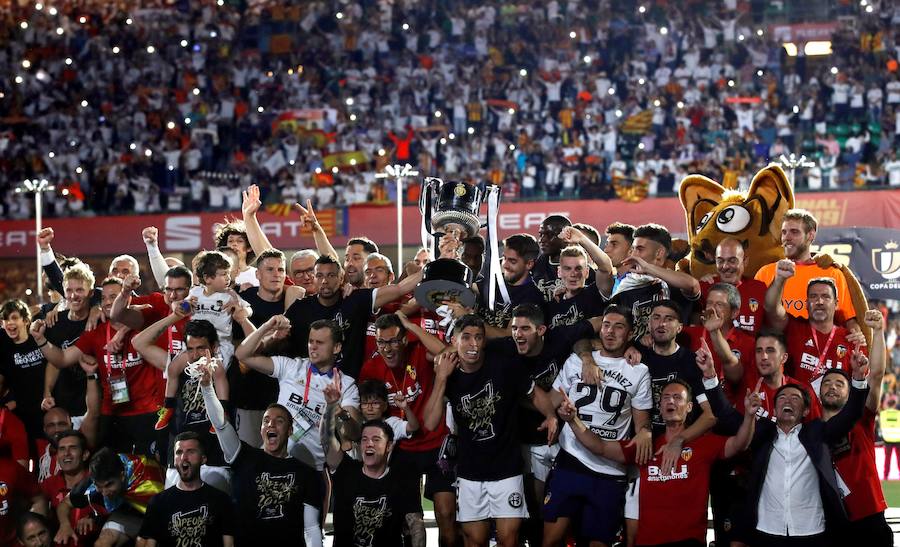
point(425, 463)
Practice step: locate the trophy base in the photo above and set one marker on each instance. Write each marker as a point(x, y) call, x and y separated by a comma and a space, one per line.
point(445, 280)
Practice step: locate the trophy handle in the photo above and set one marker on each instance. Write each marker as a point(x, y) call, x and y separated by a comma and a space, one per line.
point(426, 207)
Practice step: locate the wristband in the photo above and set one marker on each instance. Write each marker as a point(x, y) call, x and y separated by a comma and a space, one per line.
point(859, 384)
point(44, 344)
point(711, 383)
point(93, 376)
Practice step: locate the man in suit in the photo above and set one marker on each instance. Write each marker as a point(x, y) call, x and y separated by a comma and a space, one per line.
point(794, 491)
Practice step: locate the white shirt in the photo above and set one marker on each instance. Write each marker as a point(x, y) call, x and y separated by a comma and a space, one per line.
point(608, 408)
point(790, 503)
point(211, 308)
point(308, 405)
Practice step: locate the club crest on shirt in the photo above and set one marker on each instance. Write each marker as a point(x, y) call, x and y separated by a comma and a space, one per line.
point(754, 304)
point(841, 351)
point(687, 454)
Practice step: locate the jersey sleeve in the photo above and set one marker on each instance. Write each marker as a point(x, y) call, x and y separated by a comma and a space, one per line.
point(562, 379)
point(766, 274)
point(845, 307)
point(280, 366)
point(695, 380)
point(350, 395)
point(85, 342)
point(629, 451)
point(643, 395)
point(399, 427)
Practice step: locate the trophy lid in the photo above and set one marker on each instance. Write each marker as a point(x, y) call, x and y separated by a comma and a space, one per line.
point(458, 202)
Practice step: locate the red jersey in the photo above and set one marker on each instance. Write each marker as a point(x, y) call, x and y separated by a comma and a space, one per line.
point(12, 431)
point(173, 339)
point(807, 347)
point(684, 493)
point(415, 379)
point(742, 344)
point(47, 465)
point(854, 460)
point(753, 300)
point(767, 395)
point(55, 490)
point(17, 487)
point(146, 386)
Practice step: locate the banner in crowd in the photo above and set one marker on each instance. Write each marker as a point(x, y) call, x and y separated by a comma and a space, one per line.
point(872, 253)
point(189, 232)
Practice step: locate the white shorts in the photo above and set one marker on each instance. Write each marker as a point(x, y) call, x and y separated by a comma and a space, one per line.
point(215, 476)
point(125, 521)
point(482, 500)
point(631, 499)
point(539, 459)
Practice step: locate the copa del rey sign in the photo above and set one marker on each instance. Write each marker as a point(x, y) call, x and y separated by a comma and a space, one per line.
point(190, 232)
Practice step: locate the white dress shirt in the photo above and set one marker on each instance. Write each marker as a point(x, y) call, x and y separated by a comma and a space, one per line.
point(790, 503)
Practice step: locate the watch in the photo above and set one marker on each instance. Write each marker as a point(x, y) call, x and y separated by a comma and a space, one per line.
point(93, 376)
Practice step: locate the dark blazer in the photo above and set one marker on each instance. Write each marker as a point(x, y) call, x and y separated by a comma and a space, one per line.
point(815, 436)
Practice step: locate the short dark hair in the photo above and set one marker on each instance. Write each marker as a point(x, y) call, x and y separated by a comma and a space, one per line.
point(476, 240)
point(589, 231)
point(380, 424)
point(280, 407)
point(106, 465)
point(624, 230)
point(82, 440)
point(683, 383)
point(15, 306)
point(839, 371)
point(468, 320)
point(667, 303)
point(525, 245)
point(373, 388)
point(180, 271)
point(389, 320)
point(337, 334)
point(803, 393)
point(822, 281)
point(328, 260)
point(210, 262)
point(621, 310)
point(191, 436)
point(560, 220)
point(112, 281)
point(201, 328)
point(657, 233)
point(768, 332)
point(270, 253)
point(368, 245)
point(26, 519)
point(530, 311)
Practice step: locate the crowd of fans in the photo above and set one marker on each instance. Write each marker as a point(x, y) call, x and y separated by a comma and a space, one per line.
point(172, 107)
point(255, 393)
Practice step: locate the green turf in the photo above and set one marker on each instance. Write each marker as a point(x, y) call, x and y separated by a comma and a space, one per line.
point(891, 492)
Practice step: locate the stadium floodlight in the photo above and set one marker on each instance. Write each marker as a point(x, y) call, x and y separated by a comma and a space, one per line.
point(398, 172)
point(38, 187)
point(792, 162)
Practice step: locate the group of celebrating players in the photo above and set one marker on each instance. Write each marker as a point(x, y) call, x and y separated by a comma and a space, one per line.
point(606, 401)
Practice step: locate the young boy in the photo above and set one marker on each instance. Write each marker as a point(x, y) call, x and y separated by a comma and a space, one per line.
point(373, 403)
point(209, 301)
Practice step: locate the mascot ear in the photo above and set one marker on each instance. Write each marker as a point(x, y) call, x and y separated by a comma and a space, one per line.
point(771, 188)
point(699, 195)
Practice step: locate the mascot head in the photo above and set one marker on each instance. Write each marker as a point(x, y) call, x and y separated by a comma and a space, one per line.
point(714, 213)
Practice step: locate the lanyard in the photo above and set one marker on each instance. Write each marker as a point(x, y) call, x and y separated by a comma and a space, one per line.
point(820, 366)
point(308, 378)
point(169, 336)
point(402, 383)
point(109, 362)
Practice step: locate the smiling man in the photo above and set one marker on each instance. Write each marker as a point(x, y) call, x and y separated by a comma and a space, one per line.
point(191, 509)
point(730, 263)
point(72, 456)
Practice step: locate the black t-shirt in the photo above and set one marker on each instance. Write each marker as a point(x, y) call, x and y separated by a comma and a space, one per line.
point(190, 415)
point(543, 370)
point(501, 315)
point(351, 313)
point(198, 517)
point(371, 512)
point(486, 408)
point(587, 303)
point(665, 368)
point(22, 366)
point(546, 276)
point(640, 301)
point(270, 494)
point(71, 384)
point(249, 389)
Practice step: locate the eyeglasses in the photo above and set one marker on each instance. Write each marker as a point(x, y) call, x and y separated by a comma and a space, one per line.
point(392, 342)
point(308, 271)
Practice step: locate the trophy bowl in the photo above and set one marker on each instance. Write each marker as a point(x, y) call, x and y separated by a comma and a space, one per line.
point(444, 280)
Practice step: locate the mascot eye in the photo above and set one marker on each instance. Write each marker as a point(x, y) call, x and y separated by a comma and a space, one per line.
point(704, 220)
point(733, 219)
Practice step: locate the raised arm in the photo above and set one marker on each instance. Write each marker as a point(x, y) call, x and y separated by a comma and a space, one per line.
point(605, 271)
point(840, 424)
point(688, 286)
point(90, 425)
point(731, 365)
point(225, 433)
point(48, 261)
point(328, 426)
point(389, 293)
point(251, 204)
point(246, 353)
point(741, 441)
point(145, 341)
point(58, 357)
point(120, 312)
point(444, 365)
point(877, 358)
point(158, 265)
point(309, 220)
point(776, 315)
point(432, 343)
